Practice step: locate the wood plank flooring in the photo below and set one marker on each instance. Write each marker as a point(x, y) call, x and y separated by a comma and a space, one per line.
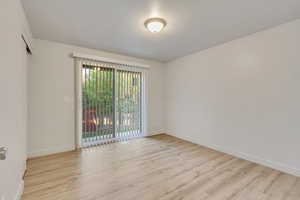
point(154, 168)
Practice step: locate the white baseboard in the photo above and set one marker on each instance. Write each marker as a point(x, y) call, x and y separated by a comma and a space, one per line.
point(49, 151)
point(272, 164)
point(156, 133)
point(20, 190)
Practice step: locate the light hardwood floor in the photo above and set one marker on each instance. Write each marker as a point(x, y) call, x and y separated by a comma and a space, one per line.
point(155, 168)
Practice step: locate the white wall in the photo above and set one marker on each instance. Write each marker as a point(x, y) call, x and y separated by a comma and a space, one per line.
point(13, 101)
point(241, 97)
point(51, 96)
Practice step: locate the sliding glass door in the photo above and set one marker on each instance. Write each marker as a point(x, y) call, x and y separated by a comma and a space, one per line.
point(97, 103)
point(128, 103)
point(111, 104)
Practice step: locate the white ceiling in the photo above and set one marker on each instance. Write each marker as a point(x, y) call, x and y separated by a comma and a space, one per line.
point(118, 25)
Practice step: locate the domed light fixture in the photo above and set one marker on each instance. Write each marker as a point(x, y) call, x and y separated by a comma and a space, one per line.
point(155, 25)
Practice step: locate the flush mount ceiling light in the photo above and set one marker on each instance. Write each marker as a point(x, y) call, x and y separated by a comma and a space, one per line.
point(155, 25)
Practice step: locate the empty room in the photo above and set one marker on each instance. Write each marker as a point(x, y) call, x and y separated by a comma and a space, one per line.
point(150, 100)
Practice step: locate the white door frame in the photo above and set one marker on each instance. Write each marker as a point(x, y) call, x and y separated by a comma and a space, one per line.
point(78, 94)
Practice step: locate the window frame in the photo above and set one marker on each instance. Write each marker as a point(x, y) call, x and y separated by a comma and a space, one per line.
point(79, 62)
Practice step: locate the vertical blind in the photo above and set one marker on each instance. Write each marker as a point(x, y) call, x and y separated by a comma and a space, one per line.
point(111, 104)
point(128, 104)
